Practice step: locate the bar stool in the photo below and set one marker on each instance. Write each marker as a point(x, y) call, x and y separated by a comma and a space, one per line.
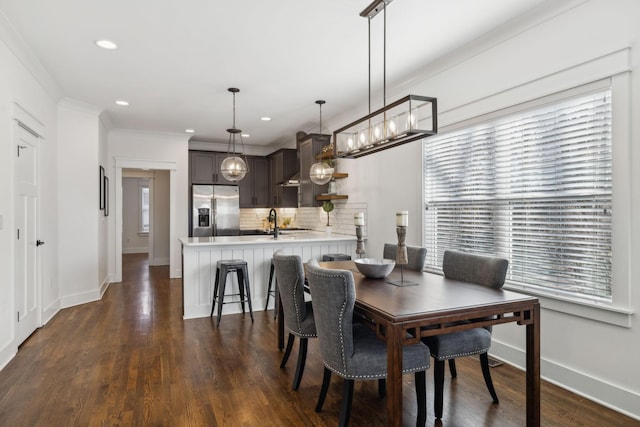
point(273, 291)
point(224, 267)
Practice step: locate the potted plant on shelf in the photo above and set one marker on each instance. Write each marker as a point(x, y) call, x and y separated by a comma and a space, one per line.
point(327, 206)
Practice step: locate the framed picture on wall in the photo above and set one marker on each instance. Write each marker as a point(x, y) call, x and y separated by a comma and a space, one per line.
point(101, 187)
point(106, 195)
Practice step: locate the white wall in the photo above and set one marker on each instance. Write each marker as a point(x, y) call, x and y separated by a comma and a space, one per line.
point(161, 218)
point(528, 60)
point(103, 222)
point(132, 241)
point(80, 217)
point(18, 85)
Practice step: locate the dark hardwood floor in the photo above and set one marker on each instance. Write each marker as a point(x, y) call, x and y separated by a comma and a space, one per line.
point(130, 360)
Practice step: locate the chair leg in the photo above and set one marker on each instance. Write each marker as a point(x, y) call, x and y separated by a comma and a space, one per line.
point(276, 299)
point(269, 287)
point(421, 397)
point(287, 351)
point(452, 368)
point(345, 407)
point(438, 385)
point(247, 285)
point(215, 291)
point(302, 357)
point(240, 276)
point(382, 387)
point(221, 290)
point(326, 379)
point(484, 363)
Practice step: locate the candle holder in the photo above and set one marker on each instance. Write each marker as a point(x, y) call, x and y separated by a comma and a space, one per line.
point(360, 244)
point(401, 256)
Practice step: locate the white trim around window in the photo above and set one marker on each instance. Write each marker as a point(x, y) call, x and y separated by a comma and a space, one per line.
point(619, 310)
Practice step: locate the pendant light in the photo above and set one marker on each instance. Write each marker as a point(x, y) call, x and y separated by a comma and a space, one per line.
point(407, 119)
point(233, 167)
point(320, 172)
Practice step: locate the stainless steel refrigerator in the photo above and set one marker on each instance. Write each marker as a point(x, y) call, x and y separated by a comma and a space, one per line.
point(215, 210)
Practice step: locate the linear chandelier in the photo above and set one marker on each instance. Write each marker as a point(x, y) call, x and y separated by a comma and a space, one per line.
point(407, 119)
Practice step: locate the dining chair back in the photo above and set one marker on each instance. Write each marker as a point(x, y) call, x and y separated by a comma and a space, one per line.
point(298, 314)
point(415, 255)
point(480, 270)
point(352, 350)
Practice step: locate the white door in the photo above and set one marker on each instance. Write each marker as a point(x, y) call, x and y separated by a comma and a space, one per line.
point(26, 205)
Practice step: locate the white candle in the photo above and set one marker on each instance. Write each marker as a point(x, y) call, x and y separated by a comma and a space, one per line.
point(358, 218)
point(402, 218)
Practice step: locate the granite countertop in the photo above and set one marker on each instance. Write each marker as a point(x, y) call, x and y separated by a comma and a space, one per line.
point(289, 236)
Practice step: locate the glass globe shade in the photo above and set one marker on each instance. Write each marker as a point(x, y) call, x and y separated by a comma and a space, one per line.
point(233, 169)
point(320, 173)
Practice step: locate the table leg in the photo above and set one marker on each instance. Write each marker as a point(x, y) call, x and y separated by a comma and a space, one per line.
point(533, 368)
point(394, 335)
point(280, 325)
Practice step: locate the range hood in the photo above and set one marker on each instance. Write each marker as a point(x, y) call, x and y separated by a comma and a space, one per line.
point(292, 181)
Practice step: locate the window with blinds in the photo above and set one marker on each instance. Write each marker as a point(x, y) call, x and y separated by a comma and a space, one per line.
point(533, 187)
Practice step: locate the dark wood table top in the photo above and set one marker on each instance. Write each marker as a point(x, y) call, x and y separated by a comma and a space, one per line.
point(432, 297)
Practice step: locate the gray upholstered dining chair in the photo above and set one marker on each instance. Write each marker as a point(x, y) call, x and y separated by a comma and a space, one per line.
point(352, 350)
point(298, 315)
point(481, 270)
point(415, 255)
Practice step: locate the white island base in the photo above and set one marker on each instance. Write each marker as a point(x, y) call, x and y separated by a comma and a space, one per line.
point(200, 255)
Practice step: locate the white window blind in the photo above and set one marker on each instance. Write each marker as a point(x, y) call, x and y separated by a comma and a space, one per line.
point(533, 187)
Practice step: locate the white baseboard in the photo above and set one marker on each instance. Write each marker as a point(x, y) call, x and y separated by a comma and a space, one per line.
point(50, 311)
point(142, 250)
point(7, 353)
point(619, 399)
point(80, 298)
point(158, 261)
point(104, 285)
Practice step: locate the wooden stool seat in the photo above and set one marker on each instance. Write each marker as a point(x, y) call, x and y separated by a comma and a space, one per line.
point(223, 268)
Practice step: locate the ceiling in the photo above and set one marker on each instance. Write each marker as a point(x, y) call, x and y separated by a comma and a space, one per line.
point(176, 59)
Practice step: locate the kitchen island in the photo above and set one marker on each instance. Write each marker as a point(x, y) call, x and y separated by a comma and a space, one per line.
point(200, 255)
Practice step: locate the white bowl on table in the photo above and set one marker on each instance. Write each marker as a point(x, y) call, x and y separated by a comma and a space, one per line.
point(374, 268)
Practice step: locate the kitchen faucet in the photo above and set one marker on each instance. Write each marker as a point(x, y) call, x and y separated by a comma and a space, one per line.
point(273, 215)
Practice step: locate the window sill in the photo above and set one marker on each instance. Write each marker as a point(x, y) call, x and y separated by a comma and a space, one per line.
point(592, 310)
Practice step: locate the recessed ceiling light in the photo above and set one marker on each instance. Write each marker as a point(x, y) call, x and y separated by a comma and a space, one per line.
point(265, 119)
point(122, 102)
point(190, 131)
point(106, 44)
point(245, 135)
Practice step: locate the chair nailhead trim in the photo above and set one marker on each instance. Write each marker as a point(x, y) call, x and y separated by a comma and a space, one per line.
point(453, 356)
point(371, 377)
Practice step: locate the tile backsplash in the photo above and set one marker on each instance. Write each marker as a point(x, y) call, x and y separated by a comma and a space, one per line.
point(312, 218)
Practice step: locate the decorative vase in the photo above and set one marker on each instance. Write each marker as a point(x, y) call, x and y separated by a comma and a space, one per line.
point(333, 187)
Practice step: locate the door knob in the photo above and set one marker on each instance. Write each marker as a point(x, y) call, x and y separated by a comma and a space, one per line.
point(39, 243)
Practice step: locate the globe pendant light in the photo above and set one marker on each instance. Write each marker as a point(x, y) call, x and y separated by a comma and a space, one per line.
point(320, 172)
point(234, 168)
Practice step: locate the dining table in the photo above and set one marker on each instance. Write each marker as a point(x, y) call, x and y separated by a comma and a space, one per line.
point(408, 305)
